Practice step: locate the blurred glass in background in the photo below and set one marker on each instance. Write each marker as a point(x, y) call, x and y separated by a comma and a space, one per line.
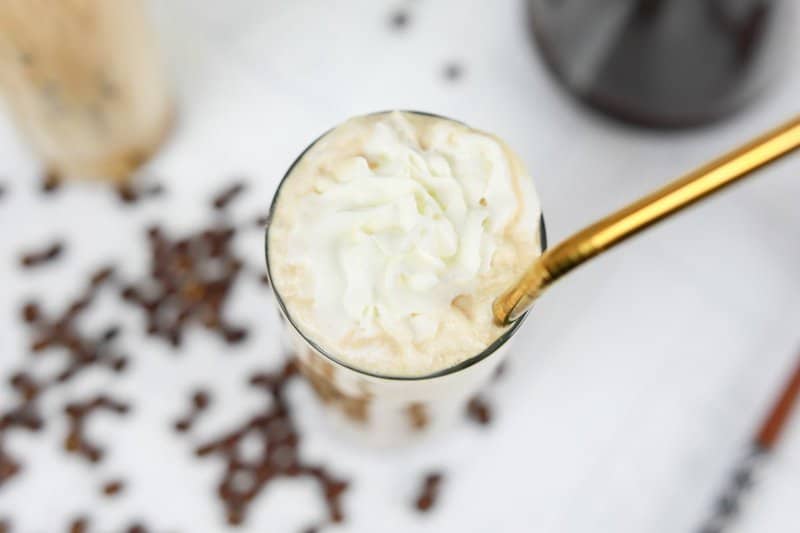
point(84, 82)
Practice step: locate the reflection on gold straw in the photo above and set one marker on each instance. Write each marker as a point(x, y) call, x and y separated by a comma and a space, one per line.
point(615, 228)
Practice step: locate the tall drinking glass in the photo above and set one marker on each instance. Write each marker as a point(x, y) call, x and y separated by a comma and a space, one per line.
point(384, 409)
point(84, 82)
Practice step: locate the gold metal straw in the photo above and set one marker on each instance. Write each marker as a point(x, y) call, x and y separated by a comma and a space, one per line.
point(615, 228)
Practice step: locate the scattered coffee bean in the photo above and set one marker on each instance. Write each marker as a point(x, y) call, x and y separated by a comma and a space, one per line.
point(261, 221)
point(418, 416)
point(40, 257)
point(229, 194)
point(131, 194)
point(5, 525)
point(453, 72)
point(500, 371)
point(127, 194)
point(51, 183)
point(77, 414)
point(30, 312)
point(8, 466)
point(200, 402)
point(479, 411)
point(429, 492)
point(113, 488)
point(399, 20)
point(79, 525)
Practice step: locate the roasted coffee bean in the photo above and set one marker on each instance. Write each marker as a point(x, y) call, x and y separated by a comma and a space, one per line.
point(40, 257)
point(79, 525)
point(224, 198)
point(453, 72)
point(51, 183)
point(399, 20)
point(429, 492)
point(113, 487)
point(200, 402)
point(479, 411)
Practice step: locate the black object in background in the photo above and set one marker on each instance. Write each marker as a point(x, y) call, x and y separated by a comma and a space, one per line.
point(663, 63)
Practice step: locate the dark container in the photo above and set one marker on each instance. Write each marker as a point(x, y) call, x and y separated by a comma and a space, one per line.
point(663, 63)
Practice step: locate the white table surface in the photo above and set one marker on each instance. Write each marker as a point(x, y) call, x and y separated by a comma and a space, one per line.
point(634, 386)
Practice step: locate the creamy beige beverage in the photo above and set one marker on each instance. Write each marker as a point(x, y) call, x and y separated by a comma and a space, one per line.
point(84, 81)
point(392, 235)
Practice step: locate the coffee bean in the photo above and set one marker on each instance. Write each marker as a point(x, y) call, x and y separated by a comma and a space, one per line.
point(41, 257)
point(399, 20)
point(113, 487)
point(79, 525)
point(30, 312)
point(224, 198)
point(479, 411)
point(261, 221)
point(429, 492)
point(200, 402)
point(453, 72)
point(130, 193)
point(51, 183)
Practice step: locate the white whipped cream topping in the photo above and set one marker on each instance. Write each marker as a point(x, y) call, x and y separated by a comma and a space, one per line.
point(385, 223)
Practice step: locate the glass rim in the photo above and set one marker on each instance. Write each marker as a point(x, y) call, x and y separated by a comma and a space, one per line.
point(466, 363)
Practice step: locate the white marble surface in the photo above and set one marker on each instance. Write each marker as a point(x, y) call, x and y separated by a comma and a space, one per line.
point(634, 386)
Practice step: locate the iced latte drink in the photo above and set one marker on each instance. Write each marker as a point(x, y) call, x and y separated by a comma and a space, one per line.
point(388, 240)
point(85, 84)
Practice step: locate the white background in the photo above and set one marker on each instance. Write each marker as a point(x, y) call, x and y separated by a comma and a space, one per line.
point(635, 384)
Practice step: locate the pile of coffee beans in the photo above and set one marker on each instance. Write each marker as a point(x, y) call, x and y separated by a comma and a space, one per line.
point(278, 440)
point(78, 413)
point(188, 284)
point(59, 334)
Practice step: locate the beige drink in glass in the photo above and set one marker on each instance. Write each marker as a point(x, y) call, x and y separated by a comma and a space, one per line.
point(388, 241)
point(84, 81)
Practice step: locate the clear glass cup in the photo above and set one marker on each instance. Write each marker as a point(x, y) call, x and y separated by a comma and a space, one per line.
point(384, 410)
point(84, 81)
